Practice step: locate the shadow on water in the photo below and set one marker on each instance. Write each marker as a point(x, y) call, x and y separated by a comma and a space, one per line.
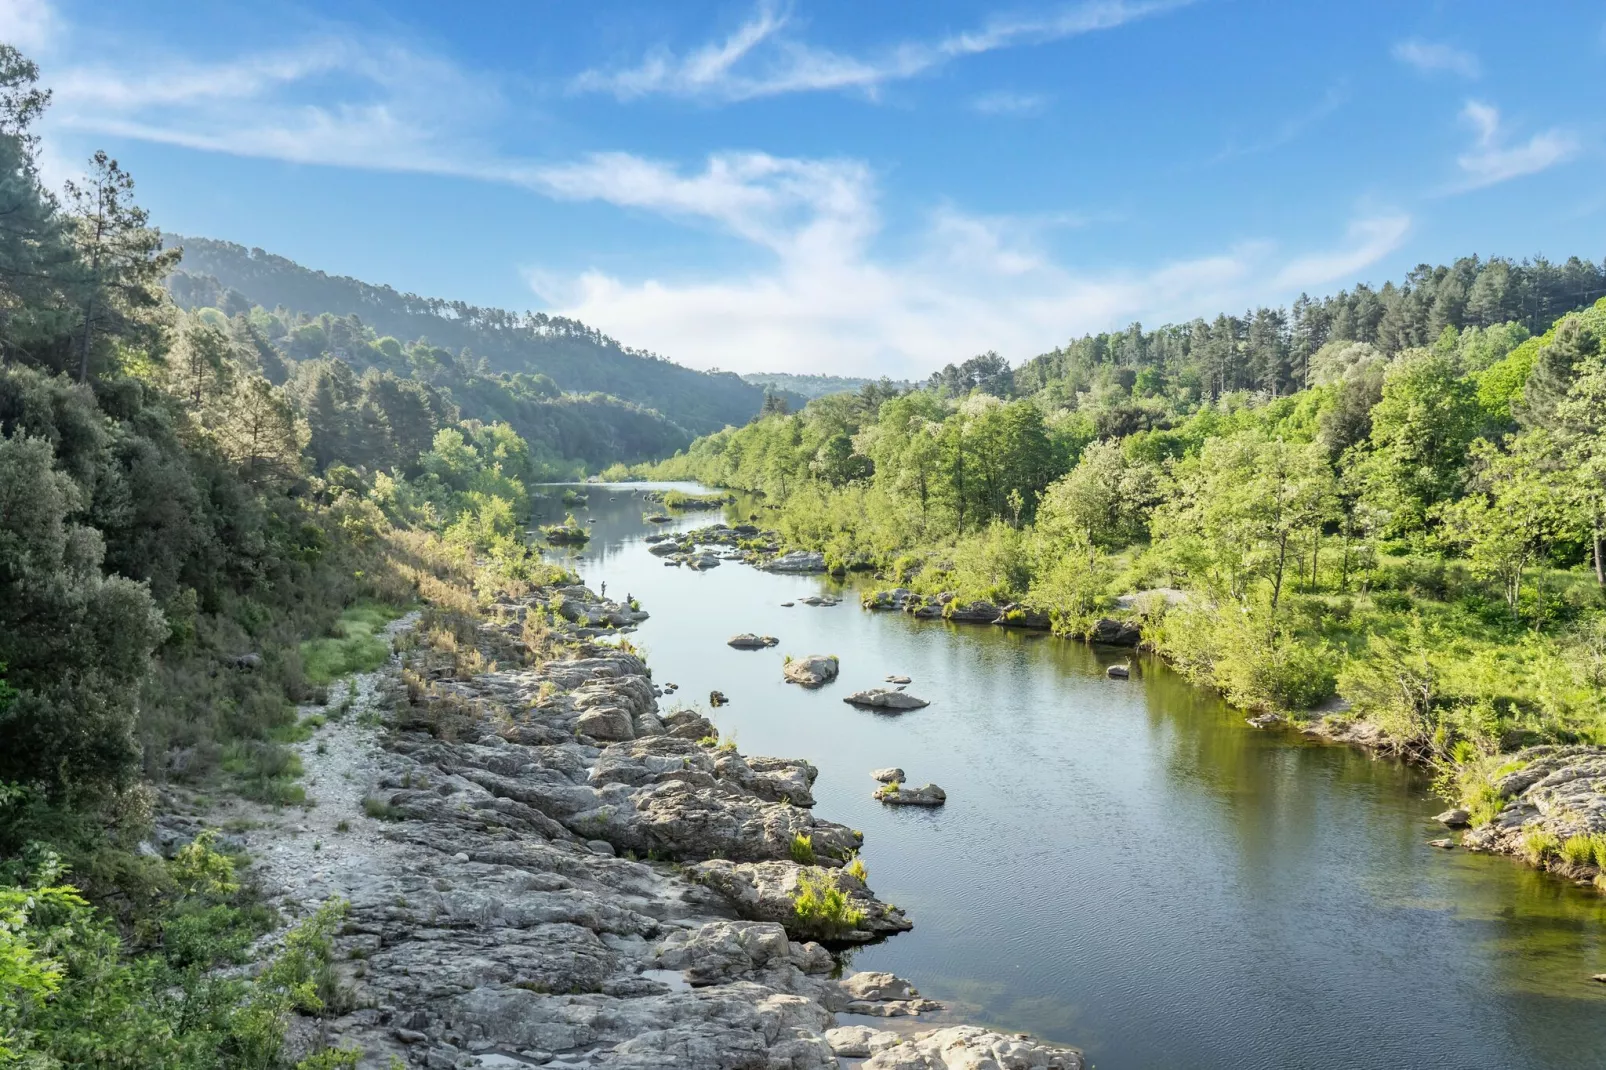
point(1125, 865)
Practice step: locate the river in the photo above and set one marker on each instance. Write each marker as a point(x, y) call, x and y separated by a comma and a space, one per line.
point(1126, 866)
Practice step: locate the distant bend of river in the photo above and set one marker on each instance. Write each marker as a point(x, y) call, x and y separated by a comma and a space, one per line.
point(1126, 866)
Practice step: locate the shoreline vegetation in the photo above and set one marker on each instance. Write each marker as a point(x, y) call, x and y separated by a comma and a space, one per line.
point(1393, 538)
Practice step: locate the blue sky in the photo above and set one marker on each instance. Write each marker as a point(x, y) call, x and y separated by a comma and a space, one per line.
point(846, 187)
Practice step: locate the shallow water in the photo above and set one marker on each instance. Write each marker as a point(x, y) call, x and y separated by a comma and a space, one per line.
point(1125, 865)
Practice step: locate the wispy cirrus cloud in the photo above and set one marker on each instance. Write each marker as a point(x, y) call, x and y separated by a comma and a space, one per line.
point(1436, 57)
point(1492, 159)
point(765, 57)
point(1005, 102)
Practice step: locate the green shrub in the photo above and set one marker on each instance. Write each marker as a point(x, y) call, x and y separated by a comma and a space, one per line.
point(1578, 850)
point(803, 849)
point(821, 910)
point(1540, 844)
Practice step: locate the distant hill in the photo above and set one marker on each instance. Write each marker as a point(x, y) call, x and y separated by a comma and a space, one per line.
point(811, 386)
point(580, 359)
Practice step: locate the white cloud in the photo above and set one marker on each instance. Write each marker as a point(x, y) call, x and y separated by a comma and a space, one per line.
point(1004, 102)
point(827, 295)
point(1431, 57)
point(30, 25)
point(830, 301)
point(761, 58)
point(1369, 240)
point(1492, 160)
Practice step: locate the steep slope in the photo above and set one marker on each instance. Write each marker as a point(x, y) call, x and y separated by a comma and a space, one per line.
point(578, 358)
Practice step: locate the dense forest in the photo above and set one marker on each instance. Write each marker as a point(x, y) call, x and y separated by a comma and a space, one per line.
point(578, 358)
point(203, 519)
point(797, 388)
point(1390, 504)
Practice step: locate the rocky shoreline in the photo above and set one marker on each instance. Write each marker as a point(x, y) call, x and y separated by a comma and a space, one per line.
point(546, 868)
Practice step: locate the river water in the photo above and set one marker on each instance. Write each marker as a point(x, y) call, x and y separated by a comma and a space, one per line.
point(1126, 866)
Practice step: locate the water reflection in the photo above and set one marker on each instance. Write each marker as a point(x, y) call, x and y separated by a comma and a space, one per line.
point(1125, 865)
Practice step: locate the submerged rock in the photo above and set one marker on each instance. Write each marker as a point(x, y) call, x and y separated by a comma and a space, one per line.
point(898, 680)
point(749, 641)
point(815, 670)
point(899, 795)
point(1118, 672)
point(1263, 720)
point(885, 699)
point(1443, 845)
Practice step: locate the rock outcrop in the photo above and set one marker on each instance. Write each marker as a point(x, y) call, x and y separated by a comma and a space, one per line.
point(749, 641)
point(884, 698)
point(1556, 794)
point(815, 670)
point(542, 866)
point(896, 794)
point(797, 561)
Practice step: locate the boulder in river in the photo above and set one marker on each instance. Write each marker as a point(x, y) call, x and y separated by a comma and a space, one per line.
point(749, 641)
point(897, 679)
point(1113, 632)
point(1444, 844)
point(890, 775)
point(815, 670)
point(1118, 672)
point(798, 561)
point(883, 698)
point(717, 699)
point(1457, 818)
point(1263, 720)
point(897, 794)
point(972, 612)
point(820, 600)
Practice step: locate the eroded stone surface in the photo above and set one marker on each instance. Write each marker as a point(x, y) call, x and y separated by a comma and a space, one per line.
point(508, 870)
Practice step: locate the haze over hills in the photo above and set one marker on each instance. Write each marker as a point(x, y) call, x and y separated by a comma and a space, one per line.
point(578, 358)
point(811, 386)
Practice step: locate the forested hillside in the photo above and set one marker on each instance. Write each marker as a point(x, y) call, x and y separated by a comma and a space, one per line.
point(1396, 499)
point(197, 531)
point(579, 359)
point(807, 387)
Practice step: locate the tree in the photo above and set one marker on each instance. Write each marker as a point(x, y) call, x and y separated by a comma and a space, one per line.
point(76, 644)
point(258, 431)
point(124, 259)
point(1104, 501)
point(1421, 430)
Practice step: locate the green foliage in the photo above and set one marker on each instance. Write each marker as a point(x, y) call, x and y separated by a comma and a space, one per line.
point(821, 910)
point(803, 849)
point(1540, 845)
point(355, 644)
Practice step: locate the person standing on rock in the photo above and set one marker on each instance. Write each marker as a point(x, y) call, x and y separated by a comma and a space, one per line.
point(605, 588)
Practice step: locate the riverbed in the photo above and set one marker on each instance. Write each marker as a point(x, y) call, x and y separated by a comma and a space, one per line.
point(1125, 865)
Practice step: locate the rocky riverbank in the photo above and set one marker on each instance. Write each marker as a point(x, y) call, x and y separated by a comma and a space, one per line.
point(1552, 812)
point(948, 606)
point(544, 867)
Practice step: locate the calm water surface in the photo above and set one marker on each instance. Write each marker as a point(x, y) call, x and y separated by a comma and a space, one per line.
point(1125, 865)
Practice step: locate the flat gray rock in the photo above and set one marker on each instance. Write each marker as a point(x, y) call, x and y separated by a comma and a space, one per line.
point(882, 698)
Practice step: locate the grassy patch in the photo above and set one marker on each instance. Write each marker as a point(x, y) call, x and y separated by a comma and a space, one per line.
point(265, 771)
point(822, 910)
point(356, 644)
